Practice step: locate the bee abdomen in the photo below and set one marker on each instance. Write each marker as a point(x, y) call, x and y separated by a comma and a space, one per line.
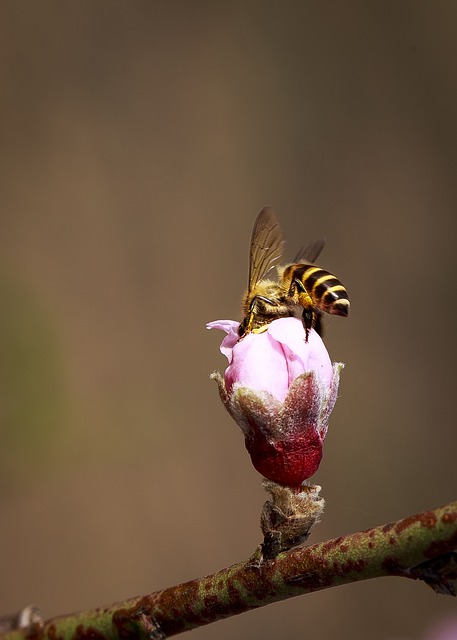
point(326, 291)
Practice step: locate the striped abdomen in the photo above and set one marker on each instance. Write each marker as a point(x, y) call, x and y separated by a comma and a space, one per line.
point(325, 290)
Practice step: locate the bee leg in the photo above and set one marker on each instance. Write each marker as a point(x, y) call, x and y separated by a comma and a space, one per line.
point(251, 317)
point(317, 323)
point(247, 324)
point(307, 319)
point(308, 315)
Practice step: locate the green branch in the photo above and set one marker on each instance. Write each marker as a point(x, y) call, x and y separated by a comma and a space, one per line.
point(423, 546)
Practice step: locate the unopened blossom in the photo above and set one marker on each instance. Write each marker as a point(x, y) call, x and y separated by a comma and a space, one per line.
point(280, 389)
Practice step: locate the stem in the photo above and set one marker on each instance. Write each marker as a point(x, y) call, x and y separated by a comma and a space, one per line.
point(422, 547)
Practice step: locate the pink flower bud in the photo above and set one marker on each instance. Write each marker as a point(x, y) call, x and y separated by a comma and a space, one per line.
point(280, 390)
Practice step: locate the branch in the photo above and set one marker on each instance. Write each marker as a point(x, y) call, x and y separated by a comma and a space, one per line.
point(423, 546)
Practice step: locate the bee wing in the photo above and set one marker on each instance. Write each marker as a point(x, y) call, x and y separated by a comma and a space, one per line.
point(266, 246)
point(310, 252)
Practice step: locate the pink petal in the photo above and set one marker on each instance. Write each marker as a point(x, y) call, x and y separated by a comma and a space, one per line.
point(231, 329)
point(302, 356)
point(258, 363)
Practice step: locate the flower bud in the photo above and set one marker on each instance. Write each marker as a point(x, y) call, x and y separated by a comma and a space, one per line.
point(280, 389)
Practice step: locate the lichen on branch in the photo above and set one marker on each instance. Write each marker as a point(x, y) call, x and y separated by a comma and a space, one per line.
point(420, 547)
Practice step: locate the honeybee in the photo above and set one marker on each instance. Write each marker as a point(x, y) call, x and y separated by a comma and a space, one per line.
point(304, 290)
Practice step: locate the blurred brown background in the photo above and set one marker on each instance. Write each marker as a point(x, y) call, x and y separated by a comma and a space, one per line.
point(138, 142)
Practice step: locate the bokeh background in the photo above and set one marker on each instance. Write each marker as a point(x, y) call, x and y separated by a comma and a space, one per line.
point(138, 142)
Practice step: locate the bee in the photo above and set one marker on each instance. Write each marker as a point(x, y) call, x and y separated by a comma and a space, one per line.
point(303, 290)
